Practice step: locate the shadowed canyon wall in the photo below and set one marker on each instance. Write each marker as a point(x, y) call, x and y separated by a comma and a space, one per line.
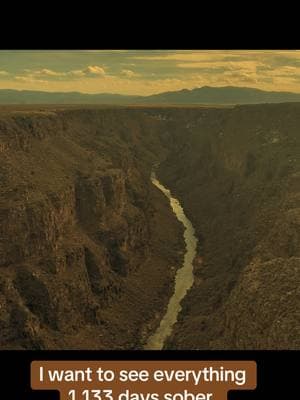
point(238, 178)
point(84, 260)
point(89, 248)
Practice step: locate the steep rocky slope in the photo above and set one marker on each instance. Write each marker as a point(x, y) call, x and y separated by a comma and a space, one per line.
point(238, 176)
point(84, 261)
point(89, 248)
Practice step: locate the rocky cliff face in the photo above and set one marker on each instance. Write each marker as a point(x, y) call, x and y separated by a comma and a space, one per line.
point(79, 230)
point(237, 173)
point(89, 247)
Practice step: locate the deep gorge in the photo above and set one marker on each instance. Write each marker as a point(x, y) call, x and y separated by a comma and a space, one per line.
point(90, 248)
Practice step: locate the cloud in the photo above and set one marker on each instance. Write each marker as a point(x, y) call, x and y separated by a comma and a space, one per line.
point(228, 65)
point(4, 73)
point(94, 70)
point(205, 67)
point(77, 73)
point(129, 73)
point(30, 79)
point(45, 72)
point(220, 55)
point(200, 56)
point(177, 56)
point(90, 71)
point(51, 75)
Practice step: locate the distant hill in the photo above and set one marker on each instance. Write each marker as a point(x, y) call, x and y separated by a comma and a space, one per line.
point(223, 95)
point(8, 96)
point(203, 95)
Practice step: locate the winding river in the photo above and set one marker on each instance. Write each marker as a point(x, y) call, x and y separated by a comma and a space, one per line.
point(184, 277)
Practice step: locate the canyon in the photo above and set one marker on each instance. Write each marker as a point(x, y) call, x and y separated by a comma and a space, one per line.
point(90, 247)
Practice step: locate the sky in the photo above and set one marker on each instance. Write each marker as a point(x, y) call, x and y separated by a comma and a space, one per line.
point(145, 72)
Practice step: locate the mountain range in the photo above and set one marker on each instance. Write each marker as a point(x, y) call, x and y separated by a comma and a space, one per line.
point(203, 95)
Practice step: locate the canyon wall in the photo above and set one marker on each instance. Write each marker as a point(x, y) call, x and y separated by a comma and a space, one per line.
point(238, 177)
point(84, 260)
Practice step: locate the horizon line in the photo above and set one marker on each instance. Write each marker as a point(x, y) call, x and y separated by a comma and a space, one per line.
point(155, 94)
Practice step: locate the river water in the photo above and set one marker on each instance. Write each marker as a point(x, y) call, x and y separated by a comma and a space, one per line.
point(184, 277)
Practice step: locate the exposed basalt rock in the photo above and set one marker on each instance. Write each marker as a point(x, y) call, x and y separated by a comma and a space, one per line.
point(93, 270)
point(262, 311)
point(237, 176)
point(99, 196)
point(35, 296)
point(76, 230)
point(36, 226)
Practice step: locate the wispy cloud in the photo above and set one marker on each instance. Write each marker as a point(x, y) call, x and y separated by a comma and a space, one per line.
point(129, 73)
point(94, 70)
point(45, 73)
point(218, 55)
